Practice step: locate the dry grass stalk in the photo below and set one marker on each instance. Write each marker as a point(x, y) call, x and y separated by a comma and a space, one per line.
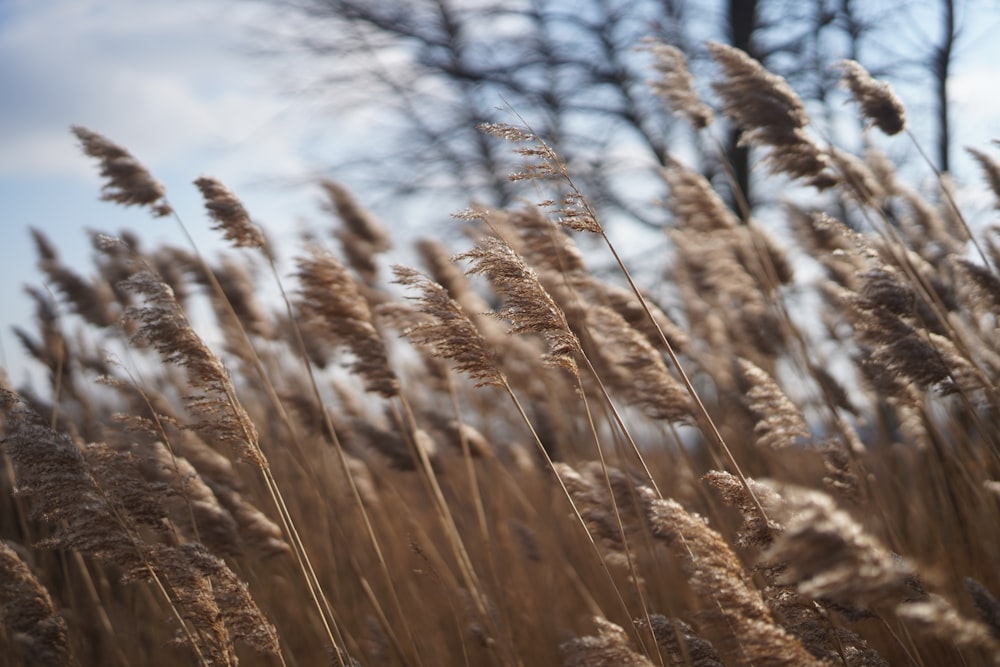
point(236, 608)
point(861, 181)
point(528, 307)
point(541, 242)
point(33, 628)
point(239, 297)
point(779, 422)
point(212, 511)
point(680, 645)
point(358, 220)
point(936, 617)
point(769, 112)
point(986, 604)
point(713, 268)
point(899, 354)
point(816, 629)
point(827, 555)
point(129, 183)
point(163, 324)
point(627, 304)
point(331, 301)
point(840, 478)
point(675, 85)
point(202, 518)
point(634, 369)
point(256, 528)
point(754, 531)
point(92, 300)
point(229, 214)
point(694, 203)
point(991, 170)
point(571, 208)
point(449, 332)
point(605, 515)
point(720, 580)
point(609, 648)
point(878, 102)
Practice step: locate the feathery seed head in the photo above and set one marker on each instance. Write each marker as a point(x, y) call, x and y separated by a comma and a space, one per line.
point(129, 183)
point(991, 170)
point(449, 332)
point(779, 422)
point(769, 112)
point(28, 614)
point(609, 648)
point(827, 554)
point(758, 100)
point(676, 86)
point(879, 103)
point(330, 299)
point(163, 325)
point(528, 307)
point(229, 214)
point(694, 203)
point(356, 218)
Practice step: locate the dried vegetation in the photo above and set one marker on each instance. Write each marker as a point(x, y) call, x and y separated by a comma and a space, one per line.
point(534, 465)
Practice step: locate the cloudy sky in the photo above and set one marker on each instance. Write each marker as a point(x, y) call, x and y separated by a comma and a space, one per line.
point(179, 83)
point(183, 86)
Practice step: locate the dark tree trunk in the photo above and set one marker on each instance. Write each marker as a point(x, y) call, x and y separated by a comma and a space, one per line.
point(941, 67)
point(743, 20)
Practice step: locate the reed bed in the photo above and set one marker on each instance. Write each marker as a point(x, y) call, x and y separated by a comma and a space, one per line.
point(503, 458)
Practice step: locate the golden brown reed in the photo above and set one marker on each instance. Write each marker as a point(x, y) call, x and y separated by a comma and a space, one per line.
point(231, 218)
point(675, 84)
point(878, 102)
point(29, 615)
point(416, 528)
point(129, 183)
point(769, 112)
point(333, 307)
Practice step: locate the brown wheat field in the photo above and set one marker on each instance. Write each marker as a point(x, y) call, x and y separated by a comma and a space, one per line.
point(504, 458)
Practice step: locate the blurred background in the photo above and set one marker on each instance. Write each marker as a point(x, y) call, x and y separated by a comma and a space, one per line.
point(384, 97)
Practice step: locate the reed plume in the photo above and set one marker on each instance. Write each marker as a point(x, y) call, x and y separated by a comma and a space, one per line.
point(779, 422)
point(680, 645)
point(128, 182)
point(769, 112)
point(229, 214)
point(991, 170)
point(717, 577)
point(448, 331)
point(527, 306)
point(330, 301)
point(878, 102)
point(828, 555)
point(675, 84)
point(162, 324)
point(610, 647)
point(29, 615)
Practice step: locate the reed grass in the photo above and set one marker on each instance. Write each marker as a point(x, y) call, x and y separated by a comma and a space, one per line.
point(506, 458)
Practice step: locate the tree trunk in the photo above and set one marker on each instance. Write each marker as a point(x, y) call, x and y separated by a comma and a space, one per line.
point(742, 17)
point(941, 67)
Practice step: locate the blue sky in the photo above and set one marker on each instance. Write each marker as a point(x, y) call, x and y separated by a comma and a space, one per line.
point(177, 83)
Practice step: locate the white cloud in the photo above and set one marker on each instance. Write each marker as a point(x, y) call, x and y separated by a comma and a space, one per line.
point(164, 79)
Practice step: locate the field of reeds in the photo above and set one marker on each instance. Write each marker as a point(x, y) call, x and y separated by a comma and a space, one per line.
point(782, 451)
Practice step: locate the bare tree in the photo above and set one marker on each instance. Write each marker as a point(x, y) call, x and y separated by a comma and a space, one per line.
point(436, 69)
point(941, 61)
point(445, 66)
